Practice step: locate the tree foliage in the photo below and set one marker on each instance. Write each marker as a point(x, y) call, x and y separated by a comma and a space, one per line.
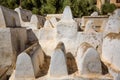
point(79, 7)
point(108, 8)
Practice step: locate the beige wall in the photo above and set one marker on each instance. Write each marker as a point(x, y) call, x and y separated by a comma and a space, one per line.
point(100, 2)
point(98, 21)
point(114, 1)
point(58, 16)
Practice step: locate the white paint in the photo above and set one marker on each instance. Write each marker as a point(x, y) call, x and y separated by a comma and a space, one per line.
point(24, 68)
point(110, 52)
point(67, 14)
point(28, 20)
point(47, 24)
point(113, 23)
point(90, 27)
point(58, 66)
point(88, 61)
point(94, 14)
point(53, 21)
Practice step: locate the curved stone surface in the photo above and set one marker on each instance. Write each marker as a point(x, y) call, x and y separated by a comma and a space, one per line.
point(67, 14)
point(66, 29)
point(47, 24)
point(37, 60)
point(9, 18)
point(36, 22)
point(117, 12)
point(24, 68)
point(58, 66)
point(53, 21)
point(113, 24)
point(88, 60)
point(111, 51)
point(90, 27)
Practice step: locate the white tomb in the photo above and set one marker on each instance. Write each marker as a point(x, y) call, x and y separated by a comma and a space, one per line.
point(90, 27)
point(24, 68)
point(88, 60)
point(113, 24)
point(58, 66)
point(111, 54)
point(47, 24)
point(53, 21)
point(66, 27)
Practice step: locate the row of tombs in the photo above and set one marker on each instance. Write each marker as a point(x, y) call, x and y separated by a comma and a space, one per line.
point(37, 48)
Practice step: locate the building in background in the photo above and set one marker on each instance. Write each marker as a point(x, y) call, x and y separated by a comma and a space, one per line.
point(101, 2)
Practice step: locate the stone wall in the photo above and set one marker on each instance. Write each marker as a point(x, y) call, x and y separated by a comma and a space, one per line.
point(37, 22)
point(7, 52)
point(19, 38)
point(98, 21)
point(12, 42)
point(8, 18)
point(58, 16)
point(25, 15)
point(28, 20)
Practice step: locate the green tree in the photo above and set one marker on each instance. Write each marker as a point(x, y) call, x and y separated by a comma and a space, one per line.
point(108, 8)
point(10, 3)
point(48, 7)
point(79, 7)
point(85, 7)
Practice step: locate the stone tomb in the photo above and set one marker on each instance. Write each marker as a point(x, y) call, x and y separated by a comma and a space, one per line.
point(111, 54)
point(53, 21)
point(28, 20)
point(58, 66)
point(24, 16)
point(66, 27)
point(66, 31)
point(67, 14)
point(12, 42)
point(88, 60)
point(37, 22)
point(24, 68)
point(113, 24)
point(37, 59)
point(90, 27)
point(8, 18)
point(48, 24)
